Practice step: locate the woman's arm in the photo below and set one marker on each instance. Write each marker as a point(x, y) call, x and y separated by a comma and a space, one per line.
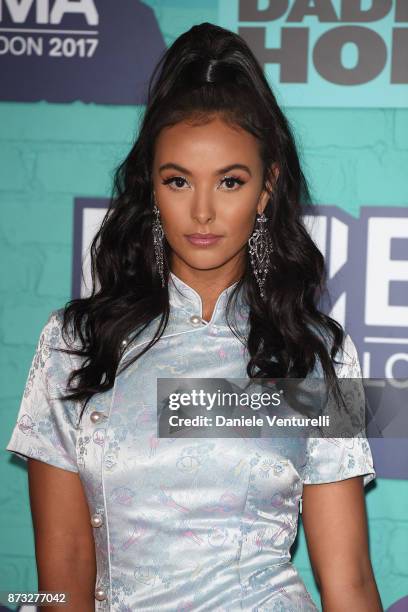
point(64, 544)
point(335, 523)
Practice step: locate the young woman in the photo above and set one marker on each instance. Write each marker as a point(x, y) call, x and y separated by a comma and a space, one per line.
point(202, 268)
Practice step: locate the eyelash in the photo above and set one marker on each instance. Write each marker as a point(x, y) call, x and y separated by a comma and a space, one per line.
point(170, 180)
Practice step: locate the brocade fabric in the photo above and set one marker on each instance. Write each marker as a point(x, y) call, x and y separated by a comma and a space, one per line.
point(201, 524)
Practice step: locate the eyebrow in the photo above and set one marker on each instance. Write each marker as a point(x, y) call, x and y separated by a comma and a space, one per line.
point(220, 171)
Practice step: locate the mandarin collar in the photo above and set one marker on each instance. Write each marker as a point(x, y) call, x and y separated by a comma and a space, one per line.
point(184, 297)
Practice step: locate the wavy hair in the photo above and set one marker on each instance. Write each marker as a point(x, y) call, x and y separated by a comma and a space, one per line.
point(207, 70)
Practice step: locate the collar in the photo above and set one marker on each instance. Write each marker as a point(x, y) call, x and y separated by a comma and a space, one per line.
point(182, 296)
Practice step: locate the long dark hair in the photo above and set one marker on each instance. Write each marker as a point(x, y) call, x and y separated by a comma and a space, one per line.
point(207, 70)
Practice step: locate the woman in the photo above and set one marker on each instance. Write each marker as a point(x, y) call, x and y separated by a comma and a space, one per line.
point(195, 523)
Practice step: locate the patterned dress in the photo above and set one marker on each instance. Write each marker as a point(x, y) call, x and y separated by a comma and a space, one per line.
point(202, 524)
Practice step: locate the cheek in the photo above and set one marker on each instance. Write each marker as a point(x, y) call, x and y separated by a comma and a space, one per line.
point(240, 217)
point(239, 227)
point(172, 218)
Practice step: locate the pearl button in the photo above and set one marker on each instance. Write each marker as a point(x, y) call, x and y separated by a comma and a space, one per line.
point(100, 594)
point(124, 342)
point(195, 320)
point(96, 416)
point(96, 520)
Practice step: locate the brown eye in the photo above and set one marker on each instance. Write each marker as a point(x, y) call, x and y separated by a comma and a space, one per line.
point(177, 182)
point(231, 181)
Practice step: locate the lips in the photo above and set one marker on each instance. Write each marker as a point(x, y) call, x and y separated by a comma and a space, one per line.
point(203, 239)
point(203, 236)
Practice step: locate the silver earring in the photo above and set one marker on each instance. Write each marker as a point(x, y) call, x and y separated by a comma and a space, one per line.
point(260, 249)
point(158, 235)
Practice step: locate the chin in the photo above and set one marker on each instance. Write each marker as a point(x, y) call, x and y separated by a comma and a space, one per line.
point(201, 262)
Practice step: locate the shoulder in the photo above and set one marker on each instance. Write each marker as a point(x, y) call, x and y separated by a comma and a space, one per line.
point(52, 330)
point(346, 360)
point(348, 363)
point(51, 362)
point(54, 336)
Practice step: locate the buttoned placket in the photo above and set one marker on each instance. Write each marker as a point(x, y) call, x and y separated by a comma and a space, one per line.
point(188, 299)
point(184, 298)
point(97, 521)
point(190, 303)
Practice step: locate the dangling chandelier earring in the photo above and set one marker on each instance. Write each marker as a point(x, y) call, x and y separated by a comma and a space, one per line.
point(260, 249)
point(158, 236)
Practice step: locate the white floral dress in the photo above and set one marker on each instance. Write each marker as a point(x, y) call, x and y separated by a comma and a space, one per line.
point(182, 524)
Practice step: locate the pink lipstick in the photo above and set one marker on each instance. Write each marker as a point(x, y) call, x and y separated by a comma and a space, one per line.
point(203, 239)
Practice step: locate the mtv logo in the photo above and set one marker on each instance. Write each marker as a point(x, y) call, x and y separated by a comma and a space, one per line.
point(367, 257)
point(367, 276)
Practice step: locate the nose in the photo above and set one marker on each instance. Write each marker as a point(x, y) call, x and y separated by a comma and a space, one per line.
point(203, 209)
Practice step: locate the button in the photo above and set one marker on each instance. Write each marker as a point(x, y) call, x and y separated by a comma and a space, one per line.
point(96, 416)
point(195, 320)
point(124, 342)
point(96, 520)
point(100, 594)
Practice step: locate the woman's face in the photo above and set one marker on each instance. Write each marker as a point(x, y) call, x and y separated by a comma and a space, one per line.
point(208, 179)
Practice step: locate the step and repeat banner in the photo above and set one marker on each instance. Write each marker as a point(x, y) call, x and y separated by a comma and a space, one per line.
point(320, 52)
point(317, 54)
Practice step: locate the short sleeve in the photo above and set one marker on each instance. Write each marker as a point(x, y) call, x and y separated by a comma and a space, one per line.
point(46, 426)
point(334, 459)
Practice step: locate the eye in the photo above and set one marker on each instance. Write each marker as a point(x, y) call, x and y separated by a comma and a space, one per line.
point(174, 180)
point(178, 182)
point(230, 181)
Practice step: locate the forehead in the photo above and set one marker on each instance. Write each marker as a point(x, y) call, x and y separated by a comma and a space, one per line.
point(213, 143)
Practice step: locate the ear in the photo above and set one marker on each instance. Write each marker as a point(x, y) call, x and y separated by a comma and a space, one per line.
point(269, 187)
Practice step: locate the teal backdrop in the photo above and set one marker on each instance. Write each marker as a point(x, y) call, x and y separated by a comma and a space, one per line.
point(51, 154)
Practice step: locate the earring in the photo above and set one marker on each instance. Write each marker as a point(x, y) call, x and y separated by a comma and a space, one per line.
point(260, 248)
point(158, 235)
